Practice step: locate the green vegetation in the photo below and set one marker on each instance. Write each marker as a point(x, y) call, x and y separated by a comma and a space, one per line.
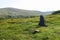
point(56, 12)
point(22, 28)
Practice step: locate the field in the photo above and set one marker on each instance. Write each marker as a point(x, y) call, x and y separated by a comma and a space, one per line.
point(22, 28)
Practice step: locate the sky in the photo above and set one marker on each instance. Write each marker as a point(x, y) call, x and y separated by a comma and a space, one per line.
point(40, 5)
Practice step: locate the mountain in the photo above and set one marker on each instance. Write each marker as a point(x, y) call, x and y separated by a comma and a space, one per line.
point(46, 13)
point(14, 12)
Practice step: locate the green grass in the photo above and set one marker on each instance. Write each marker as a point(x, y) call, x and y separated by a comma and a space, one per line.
point(22, 28)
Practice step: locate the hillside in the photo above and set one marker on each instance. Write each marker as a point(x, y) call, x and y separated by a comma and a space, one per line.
point(14, 12)
point(56, 12)
point(22, 28)
point(17, 13)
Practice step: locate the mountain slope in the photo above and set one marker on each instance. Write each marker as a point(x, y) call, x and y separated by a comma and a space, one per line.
point(17, 13)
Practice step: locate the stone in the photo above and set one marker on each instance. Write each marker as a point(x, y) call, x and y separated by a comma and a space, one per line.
point(42, 21)
point(35, 31)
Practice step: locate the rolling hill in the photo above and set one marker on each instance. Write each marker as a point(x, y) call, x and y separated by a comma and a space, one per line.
point(17, 13)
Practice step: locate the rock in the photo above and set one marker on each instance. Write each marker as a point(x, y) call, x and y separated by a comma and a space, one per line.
point(42, 21)
point(35, 31)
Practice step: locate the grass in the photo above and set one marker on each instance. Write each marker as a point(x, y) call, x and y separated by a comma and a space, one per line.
point(22, 28)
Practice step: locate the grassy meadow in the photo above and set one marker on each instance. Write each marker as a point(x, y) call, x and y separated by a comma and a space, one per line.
point(22, 28)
